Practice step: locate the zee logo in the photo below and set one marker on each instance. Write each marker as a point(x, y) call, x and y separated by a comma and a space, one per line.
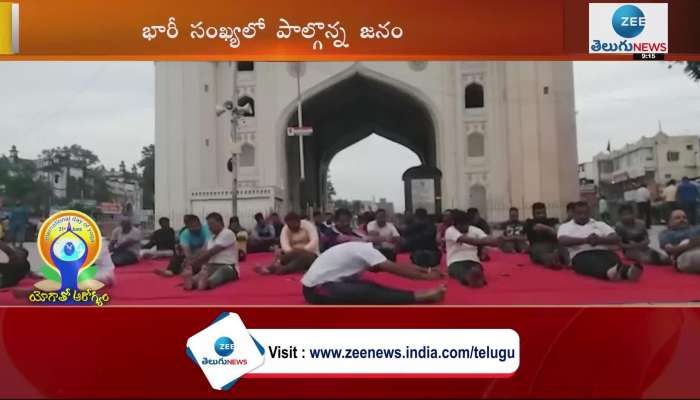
point(224, 346)
point(629, 21)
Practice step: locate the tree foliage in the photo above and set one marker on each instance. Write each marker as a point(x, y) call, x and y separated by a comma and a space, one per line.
point(692, 68)
point(148, 171)
point(17, 183)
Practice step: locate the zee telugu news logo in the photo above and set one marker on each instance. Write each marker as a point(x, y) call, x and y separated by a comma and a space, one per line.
point(224, 347)
point(628, 28)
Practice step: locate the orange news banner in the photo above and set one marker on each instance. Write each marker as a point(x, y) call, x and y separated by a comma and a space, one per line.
point(429, 30)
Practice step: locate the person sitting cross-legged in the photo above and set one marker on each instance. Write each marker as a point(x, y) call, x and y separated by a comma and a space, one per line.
point(463, 241)
point(334, 278)
point(682, 242)
point(420, 240)
point(299, 247)
point(16, 267)
point(234, 224)
point(589, 244)
point(634, 239)
point(475, 220)
point(193, 239)
point(447, 221)
point(363, 220)
point(276, 223)
point(324, 231)
point(514, 239)
point(342, 231)
point(263, 236)
point(541, 232)
point(125, 244)
point(384, 234)
point(218, 264)
point(162, 239)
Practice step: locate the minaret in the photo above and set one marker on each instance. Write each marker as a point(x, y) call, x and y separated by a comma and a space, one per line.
point(14, 154)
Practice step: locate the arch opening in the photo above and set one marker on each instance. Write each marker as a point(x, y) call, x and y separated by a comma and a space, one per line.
point(342, 115)
point(353, 171)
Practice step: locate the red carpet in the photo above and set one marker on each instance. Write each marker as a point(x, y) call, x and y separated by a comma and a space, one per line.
point(512, 279)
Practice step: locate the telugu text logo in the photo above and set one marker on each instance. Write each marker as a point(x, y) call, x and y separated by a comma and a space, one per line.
point(628, 28)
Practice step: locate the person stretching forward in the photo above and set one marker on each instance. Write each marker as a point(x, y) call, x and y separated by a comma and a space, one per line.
point(334, 278)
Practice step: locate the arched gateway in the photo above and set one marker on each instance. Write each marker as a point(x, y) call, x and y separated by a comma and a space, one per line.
point(344, 113)
point(517, 142)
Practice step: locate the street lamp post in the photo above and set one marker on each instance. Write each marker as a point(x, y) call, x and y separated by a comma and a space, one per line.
point(234, 145)
point(236, 113)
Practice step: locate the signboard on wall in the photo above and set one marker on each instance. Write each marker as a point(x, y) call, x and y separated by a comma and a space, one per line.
point(423, 194)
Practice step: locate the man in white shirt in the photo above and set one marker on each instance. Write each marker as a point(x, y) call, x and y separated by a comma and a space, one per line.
point(125, 243)
point(334, 278)
point(643, 198)
point(589, 244)
point(669, 196)
point(220, 260)
point(299, 247)
point(462, 241)
point(384, 234)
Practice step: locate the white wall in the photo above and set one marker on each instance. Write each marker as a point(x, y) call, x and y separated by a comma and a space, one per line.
point(530, 137)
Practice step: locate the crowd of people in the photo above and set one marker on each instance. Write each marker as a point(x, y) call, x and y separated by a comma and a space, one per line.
point(334, 250)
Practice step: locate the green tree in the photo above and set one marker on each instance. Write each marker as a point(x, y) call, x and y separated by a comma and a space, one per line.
point(100, 189)
point(18, 183)
point(692, 68)
point(148, 172)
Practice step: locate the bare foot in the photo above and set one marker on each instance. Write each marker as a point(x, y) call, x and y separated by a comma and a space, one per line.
point(164, 272)
point(264, 270)
point(189, 281)
point(22, 293)
point(475, 278)
point(434, 295)
point(203, 282)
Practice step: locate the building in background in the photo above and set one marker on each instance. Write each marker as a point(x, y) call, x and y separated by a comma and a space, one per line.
point(502, 134)
point(56, 178)
point(386, 205)
point(651, 160)
point(127, 192)
point(587, 173)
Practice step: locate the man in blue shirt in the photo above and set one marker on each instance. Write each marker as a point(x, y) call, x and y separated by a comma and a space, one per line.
point(19, 218)
point(687, 198)
point(263, 236)
point(192, 241)
point(682, 242)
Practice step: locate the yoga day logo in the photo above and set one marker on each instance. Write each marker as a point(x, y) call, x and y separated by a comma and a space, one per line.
point(69, 243)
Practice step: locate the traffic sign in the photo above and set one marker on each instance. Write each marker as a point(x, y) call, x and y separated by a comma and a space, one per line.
point(300, 131)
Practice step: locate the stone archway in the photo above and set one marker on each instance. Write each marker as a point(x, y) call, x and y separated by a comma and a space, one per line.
point(345, 113)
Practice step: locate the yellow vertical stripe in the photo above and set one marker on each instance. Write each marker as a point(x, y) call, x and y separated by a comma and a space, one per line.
point(5, 28)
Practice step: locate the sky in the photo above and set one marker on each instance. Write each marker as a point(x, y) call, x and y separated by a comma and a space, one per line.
point(108, 107)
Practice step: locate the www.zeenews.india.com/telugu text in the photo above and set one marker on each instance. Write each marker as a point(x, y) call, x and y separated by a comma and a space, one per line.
point(426, 352)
